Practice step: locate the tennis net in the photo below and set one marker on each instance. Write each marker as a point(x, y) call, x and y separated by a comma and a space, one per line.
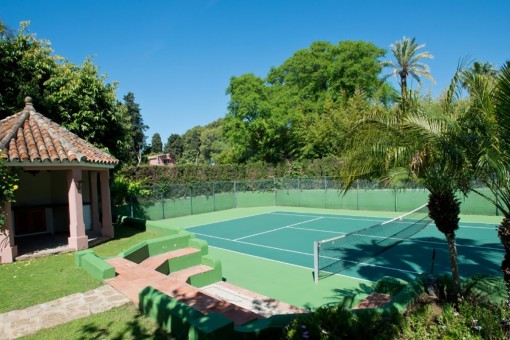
point(336, 254)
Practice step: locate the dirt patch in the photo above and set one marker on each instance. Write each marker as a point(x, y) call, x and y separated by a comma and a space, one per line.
point(374, 300)
point(426, 300)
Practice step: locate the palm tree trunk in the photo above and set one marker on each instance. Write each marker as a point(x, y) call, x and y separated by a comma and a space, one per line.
point(452, 251)
point(444, 209)
point(504, 236)
point(403, 82)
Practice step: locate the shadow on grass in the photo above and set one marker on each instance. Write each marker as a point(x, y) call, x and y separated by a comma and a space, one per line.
point(137, 328)
point(124, 231)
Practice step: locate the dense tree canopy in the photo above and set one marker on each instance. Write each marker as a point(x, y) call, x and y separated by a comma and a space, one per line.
point(174, 146)
point(156, 144)
point(300, 109)
point(77, 97)
point(137, 127)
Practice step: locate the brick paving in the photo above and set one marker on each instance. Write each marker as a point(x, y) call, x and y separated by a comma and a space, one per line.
point(233, 302)
point(132, 278)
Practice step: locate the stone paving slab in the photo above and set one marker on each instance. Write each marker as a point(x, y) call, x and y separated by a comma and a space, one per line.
point(249, 300)
point(18, 323)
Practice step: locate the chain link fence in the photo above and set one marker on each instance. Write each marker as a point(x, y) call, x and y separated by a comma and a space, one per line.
point(173, 200)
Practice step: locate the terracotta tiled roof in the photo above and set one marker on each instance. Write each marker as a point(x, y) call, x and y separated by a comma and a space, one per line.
point(29, 136)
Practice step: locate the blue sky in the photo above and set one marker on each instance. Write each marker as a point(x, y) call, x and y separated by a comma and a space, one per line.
point(177, 57)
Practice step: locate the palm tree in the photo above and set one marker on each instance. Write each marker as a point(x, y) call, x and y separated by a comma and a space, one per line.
point(421, 146)
point(488, 143)
point(407, 62)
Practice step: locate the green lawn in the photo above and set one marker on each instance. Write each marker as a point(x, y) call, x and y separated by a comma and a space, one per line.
point(123, 322)
point(31, 282)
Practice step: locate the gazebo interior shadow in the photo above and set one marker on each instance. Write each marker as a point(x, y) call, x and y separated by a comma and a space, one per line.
point(32, 246)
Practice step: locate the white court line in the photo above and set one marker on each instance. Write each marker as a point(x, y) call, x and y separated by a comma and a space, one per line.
point(429, 242)
point(370, 265)
point(340, 217)
point(288, 264)
point(320, 230)
point(231, 219)
point(273, 230)
point(302, 253)
point(470, 227)
point(334, 217)
point(256, 245)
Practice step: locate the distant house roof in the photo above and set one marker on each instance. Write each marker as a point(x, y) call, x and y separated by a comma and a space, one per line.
point(30, 137)
point(161, 159)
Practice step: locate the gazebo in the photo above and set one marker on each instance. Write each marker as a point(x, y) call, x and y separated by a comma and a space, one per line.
point(63, 183)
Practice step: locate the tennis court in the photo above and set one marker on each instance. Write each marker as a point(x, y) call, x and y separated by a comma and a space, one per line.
point(288, 237)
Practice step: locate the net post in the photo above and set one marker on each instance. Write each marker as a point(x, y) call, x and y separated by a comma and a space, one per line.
point(316, 261)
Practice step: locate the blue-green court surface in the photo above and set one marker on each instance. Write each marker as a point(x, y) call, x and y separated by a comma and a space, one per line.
point(270, 250)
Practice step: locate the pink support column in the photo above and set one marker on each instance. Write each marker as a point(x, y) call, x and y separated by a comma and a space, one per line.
point(78, 239)
point(106, 209)
point(8, 251)
point(94, 201)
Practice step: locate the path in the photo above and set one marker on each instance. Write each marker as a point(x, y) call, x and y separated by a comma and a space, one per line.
point(18, 323)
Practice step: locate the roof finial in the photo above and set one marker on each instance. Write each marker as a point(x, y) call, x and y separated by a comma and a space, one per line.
point(28, 104)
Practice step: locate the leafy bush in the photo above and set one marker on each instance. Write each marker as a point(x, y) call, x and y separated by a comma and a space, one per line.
point(335, 322)
point(188, 173)
point(467, 320)
point(389, 285)
point(8, 185)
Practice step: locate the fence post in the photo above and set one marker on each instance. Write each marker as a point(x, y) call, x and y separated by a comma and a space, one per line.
point(357, 194)
point(325, 193)
point(162, 204)
point(274, 192)
point(299, 191)
point(235, 195)
point(214, 197)
point(191, 199)
point(131, 206)
point(396, 201)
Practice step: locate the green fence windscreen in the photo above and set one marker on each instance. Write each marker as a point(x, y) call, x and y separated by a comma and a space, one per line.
point(173, 200)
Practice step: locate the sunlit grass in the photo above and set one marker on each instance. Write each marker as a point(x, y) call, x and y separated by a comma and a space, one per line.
point(31, 282)
point(123, 322)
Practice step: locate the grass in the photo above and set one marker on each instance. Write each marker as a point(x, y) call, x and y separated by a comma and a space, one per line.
point(123, 322)
point(125, 237)
point(31, 282)
point(40, 280)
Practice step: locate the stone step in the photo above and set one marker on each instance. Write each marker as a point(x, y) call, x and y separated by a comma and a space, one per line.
point(155, 261)
point(185, 274)
point(255, 302)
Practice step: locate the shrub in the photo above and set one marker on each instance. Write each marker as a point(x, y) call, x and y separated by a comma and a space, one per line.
point(335, 322)
point(8, 185)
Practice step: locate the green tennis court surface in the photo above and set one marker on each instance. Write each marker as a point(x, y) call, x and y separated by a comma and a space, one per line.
point(288, 237)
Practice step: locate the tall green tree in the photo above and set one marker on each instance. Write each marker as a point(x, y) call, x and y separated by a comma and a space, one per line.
point(487, 141)
point(247, 111)
point(408, 63)
point(269, 119)
point(82, 101)
point(422, 146)
point(191, 145)
point(137, 126)
point(76, 97)
point(212, 143)
point(174, 146)
point(26, 63)
point(156, 144)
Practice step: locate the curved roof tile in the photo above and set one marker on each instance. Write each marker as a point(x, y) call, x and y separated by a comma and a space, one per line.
point(30, 136)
